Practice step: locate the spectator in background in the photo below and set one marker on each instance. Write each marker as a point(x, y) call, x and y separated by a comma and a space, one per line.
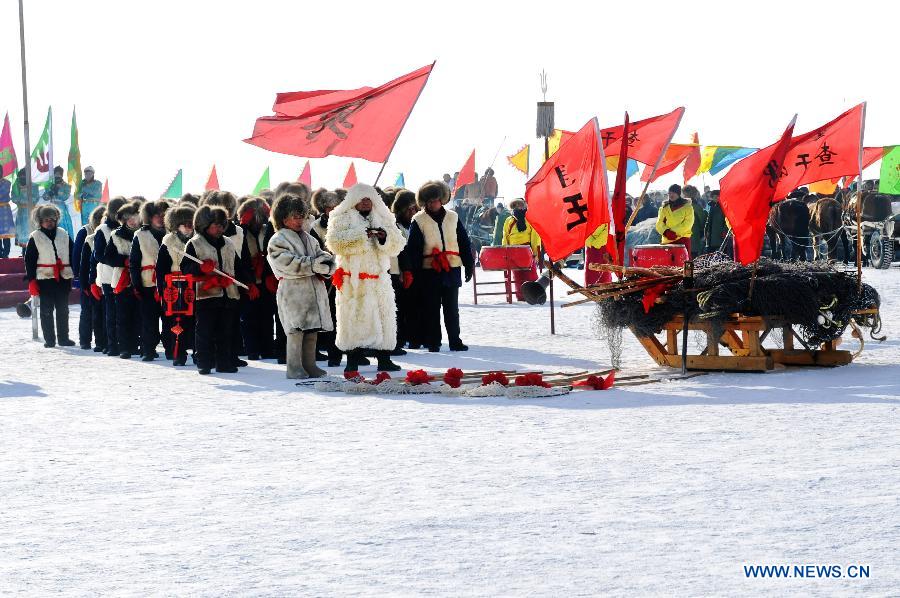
point(489, 187)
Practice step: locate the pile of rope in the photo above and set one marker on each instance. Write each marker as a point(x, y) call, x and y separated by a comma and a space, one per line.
point(817, 297)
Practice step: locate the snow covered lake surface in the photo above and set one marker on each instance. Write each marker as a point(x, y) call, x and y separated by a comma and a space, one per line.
point(135, 479)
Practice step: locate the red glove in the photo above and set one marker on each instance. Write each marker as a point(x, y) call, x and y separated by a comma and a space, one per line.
point(224, 282)
point(252, 292)
point(33, 289)
point(271, 284)
point(207, 266)
point(407, 279)
point(670, 235)
point(97, 292)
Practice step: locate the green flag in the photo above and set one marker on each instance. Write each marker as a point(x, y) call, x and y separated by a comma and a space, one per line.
point(73, 172)
point(42, 155)
point(174, 190)
point(263, 182)
point(890, 171)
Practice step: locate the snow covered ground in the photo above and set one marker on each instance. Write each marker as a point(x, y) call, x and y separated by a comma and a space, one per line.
point(128, 478)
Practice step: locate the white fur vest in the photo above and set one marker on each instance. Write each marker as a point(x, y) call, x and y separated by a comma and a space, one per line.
point(439, 238)
point(149, 253)
point(123, 246)
point(175, 247)
point(49, 251)
point(104, 272)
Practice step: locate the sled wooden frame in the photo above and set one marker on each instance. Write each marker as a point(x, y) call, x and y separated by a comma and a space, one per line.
point(742, 337)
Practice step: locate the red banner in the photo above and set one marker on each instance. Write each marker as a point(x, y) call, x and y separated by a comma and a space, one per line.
point(647, 139)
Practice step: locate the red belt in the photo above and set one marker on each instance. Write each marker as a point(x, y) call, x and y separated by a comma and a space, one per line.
point(152, 269)
point(439, 260)
point(57, 268)
point(337, 279)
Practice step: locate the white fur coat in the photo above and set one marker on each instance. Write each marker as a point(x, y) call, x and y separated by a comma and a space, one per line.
point(302, 298)
point(366, 315)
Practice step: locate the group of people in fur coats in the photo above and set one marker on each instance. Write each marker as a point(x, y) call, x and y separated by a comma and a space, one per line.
point(296, 276)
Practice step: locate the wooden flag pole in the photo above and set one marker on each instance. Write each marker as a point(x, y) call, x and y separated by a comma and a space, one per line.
point(859, 200)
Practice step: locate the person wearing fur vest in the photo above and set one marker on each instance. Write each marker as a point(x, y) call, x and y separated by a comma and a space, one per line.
point(179, 223)
point(323, 202)
point(363, 235)
point(116, 257)
point(103, 285)
point(299, 263)
point(216, 296)
point(404, 207)
point(142, 263)
point(440, 250)
point(90, 321)
point(256, 316)
point(48, 269)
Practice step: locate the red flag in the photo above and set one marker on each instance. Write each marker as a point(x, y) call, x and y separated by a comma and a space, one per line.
point(212, 184)
point(615, 243)
point(466, 174)
point(359, 123)
point(104, 197)
point(747, 191)
point(692, 162)
point(675, 155)
point(306, 176)
point(647, 139)
point(829, 152)
point(870, 156)
point(568, 198)
point(350, 178)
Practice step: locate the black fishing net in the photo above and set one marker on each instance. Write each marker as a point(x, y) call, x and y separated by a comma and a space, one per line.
point(817, 297)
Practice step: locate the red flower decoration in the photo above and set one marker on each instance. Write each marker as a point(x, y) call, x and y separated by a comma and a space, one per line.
point(354, 377)
point(498, 377)
point(416, 377)
point(453, 377)
point(381, 377)
point(531, 380)
point(598, 383)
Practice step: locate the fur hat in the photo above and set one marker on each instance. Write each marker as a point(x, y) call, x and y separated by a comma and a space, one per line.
point(178, 215)
point(113, 206)
point(96, 218)
point(252, 209)
point(518, 203)
point(433, 190)
point(222, 199)
point(268, 195)
point(139, 198)
point(402, 200)
point(387, 195)
point(675, 188)
point(691, 192)
point(293, 188)
point(285, 205)
point(45, 211)
point(149, 209)
point(207, 215)
point(322, 199)
point(190, 198)
point(132, 208)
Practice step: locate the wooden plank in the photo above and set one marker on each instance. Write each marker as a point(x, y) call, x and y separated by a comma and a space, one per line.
point(751, 341)
point(787, 333)
point(671, 341)
point(811, 358)
point(724, 363)
point(712, 344)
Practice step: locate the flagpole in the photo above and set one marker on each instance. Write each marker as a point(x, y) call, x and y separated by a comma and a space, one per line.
point(388, 157)
point(859, 200)
point(29, 200)
point(640, 201)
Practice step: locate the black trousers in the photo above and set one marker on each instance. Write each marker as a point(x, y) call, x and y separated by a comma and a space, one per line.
point(91, 323)
point(55, 309)
point(214, 332)
point(325, 340)
point(109, 319)
point(150, 312)
point(436, 297)
point(408, 328)
point(127, 321)
point(256, 325)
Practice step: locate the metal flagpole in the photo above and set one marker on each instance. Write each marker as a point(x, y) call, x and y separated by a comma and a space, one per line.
point(859, 200)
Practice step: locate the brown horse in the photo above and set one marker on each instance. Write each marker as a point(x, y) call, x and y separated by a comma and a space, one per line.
point(788, 230)
point(826, 223)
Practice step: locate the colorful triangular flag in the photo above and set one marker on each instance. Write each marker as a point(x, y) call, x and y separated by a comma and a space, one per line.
point(104, 198)
point(350, 178)
point(263, 182)
point(42, 154)
point(174, 189)
point(306, 176)
point(520, 159)
point(466, 174)
point(73, 171)
point(8, 160)
point(212, 183)
point(400, 181)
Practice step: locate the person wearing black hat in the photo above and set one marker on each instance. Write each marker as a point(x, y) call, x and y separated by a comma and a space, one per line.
point(116, 256)
point(676, 219)
point(142, 262)
point(48, 269)
point(404, 208)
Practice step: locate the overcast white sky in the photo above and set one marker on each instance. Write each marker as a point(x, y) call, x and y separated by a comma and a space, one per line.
point(164, 84)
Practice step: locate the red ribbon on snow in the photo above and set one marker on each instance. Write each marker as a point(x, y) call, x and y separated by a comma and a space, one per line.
point(533, 379)
point(597, 383)
point(453, 377)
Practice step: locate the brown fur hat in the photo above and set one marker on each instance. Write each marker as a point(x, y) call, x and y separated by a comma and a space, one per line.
point(285, 205)
point(45, 211)
point(222, 199)
point(253, 211)
point(207, 215)
point(433, 190)
point(132, 208)
point(268, 195)
point(293, 188)
point(112, 208)
point(178, 215)
point(96, 218)
point(322, 199)
point(387, 195)
point(149, 209)
point(190, 198)
point(139, 198)
point(402, 200)
point(517, 203)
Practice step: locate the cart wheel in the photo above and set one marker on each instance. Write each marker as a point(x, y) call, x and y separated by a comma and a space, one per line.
point(881, 251)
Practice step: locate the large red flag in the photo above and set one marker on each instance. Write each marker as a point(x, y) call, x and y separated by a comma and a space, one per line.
point(358, 123)
point(350, 177)
point(829, 152)
point(747, 192)
point(568, 198)
point(306, 176)
point(647, 139)
point(212, 183)
point(692, 162)
point(466, 174)
point(674, 156)
point(615, 244)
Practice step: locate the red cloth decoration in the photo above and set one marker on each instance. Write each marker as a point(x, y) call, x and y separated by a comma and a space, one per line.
point(271, 284)
point(33, 289)
point(407, 278)
point(651, 294)
point(453, 377)
point(354, 376)
point(152, 269)
point(439, 260)
point(598, 383)
point(499, 377)
point(337, 279)
point(124, 281)
point(207, 266)
point(533, 379)
point(365, 275)
point(417, 377)
point(96, 291)
point(381, 377)
point(57, 268)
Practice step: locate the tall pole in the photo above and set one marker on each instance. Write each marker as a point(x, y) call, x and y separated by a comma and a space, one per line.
point(28, 201)
point(859, 200)
point(552, 311)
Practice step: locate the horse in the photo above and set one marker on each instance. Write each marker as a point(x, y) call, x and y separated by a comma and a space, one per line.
point(788, 229)
point(826, 223)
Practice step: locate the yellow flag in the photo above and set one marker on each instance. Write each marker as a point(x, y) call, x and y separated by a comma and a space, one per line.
point(519, 160)
point(822, 187)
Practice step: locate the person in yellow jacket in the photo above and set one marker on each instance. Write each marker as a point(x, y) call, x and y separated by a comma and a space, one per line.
point(676, 219)
point(518, 231)
point(595, 253)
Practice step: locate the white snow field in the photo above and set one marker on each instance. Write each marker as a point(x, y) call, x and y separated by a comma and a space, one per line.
point(134, 479)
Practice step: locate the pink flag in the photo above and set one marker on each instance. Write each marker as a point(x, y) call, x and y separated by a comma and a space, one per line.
point(350, 179)
point(7, 151)
point(306, 176)
point(212, 183)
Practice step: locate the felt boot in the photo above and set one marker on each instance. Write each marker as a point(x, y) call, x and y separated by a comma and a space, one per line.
point(294, 356)
point(309, 355)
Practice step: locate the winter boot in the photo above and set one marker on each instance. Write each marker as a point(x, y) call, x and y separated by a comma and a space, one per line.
point(294, 356)
point(353, 363)
point(384, 362)
point(309, 356)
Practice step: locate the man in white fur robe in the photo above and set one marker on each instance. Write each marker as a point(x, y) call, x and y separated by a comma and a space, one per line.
point(363, 236)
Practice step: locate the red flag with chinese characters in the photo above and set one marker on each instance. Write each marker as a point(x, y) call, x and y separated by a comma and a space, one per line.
point(568, 198)
point(212, 183)
point(870, 156)
point(747, 192)
point(647, 139)
point(358, 123)
point(350, 177)
point(466, 174)
point(829, 152)
point(692, 162)
point(306, 176)
point(675, 155)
